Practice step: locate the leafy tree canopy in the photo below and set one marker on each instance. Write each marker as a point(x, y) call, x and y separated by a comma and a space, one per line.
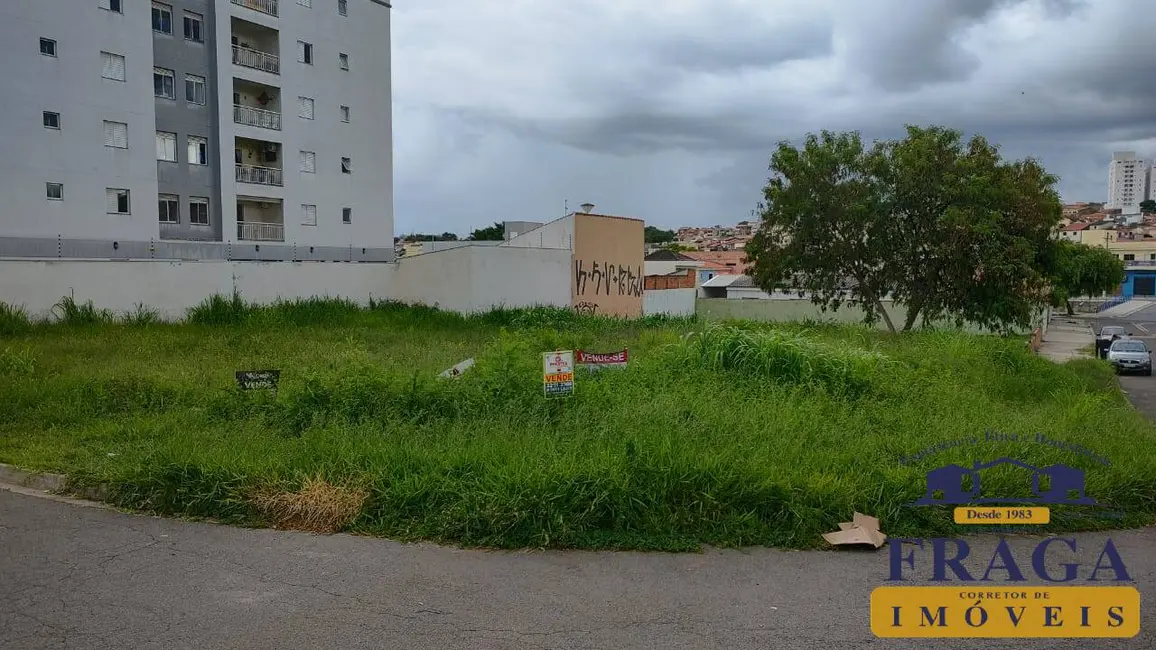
point(942, 226)
point(1148, 207)
point(654, 235)
point(495, 232)
point(1079, 270)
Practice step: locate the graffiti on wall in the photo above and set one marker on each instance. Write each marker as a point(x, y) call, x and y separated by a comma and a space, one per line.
point(606, 279)
point(586, 309)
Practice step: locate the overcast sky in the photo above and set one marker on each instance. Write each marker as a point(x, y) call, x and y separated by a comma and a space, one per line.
point(669, 111)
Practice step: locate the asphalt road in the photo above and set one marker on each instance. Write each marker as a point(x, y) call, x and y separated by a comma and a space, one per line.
point(1141, 390)
point(90, 578)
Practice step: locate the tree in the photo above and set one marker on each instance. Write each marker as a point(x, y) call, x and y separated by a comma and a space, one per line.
point(654, 235)
point(496, 232)
point(1148, 207)
point(676, 248)
point(1080, 270)
point(947, 229)
point(416, 237)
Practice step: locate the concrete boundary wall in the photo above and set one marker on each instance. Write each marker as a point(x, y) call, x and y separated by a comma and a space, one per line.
point(479, 278)
point(172, 287)
point(672, 302)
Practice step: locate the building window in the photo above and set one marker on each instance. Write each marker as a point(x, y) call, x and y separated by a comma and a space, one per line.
point(199, 210)
point(194, 27)
point(198, 150)
point(116, 135)
point(111, 5)
point(342, 8)
point(305, 52)
point(305, 108)
point(346, 166)
point(54, 191)
point(116, 201)
point(344, 113)
point(195, 89)
point(1129, 257)
point(308, 215)
point(47, 47)
point(164, 83)
point(112, 66)
point(346, 215)
point(51, 120)
point(343, 61)
point(162, 18)
point(169, 208)
point(308, 162)
point(166, 146)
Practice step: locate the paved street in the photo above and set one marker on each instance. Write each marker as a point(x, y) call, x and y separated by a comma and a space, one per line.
point(93, 579)
point(1141, 390)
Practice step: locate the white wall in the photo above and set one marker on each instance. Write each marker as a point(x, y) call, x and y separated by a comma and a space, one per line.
point(173, 287)
point(479, 278)
point(367, 139)
point(559, 233)
point(673, 302)
point(668, 268)
point(71, 84)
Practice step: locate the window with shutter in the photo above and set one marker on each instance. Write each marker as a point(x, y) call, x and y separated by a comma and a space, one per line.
point(305, 52)
point(116, 201)
point(305, 108)
point(199, 210)
point(162, 18)
point(198, 150)
point(111, 5)
point(169, 208)
point(166, 146)
point(309, 162)
point(346, 215)
point(344, 113)
point(346, 166)
point(195, 89)
point(116, 135)
point(54, 191)
point(308, 215)
point(112, 66)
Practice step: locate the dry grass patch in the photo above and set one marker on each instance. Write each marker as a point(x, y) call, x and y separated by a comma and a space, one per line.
point(318, 507)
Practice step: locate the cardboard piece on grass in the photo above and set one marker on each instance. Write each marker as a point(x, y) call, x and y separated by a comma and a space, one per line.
point(459, 369)
point(862, 530)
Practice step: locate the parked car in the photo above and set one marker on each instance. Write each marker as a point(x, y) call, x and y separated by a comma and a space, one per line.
point(1130, 355)
point(1107, 335)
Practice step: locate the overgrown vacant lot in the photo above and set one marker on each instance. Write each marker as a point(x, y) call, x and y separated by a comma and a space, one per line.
point(733, 434)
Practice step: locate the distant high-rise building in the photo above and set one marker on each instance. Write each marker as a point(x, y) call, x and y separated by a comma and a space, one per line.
point(1128, 181)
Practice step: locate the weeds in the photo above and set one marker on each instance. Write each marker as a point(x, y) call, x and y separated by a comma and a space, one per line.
point(734, 434)
point(69, 312)
point(13, 320)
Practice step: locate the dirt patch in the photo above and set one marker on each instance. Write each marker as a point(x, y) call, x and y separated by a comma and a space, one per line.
point(318, 507)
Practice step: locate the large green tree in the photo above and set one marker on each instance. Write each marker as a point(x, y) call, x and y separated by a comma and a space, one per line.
point(495, 232)
point(1148, 207)
point(1079, 270)
point(943, 227)
point(655, 235)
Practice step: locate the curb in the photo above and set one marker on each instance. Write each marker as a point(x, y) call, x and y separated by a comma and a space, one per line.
point(47, 482)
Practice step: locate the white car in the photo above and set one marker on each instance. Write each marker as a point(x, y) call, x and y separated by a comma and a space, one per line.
point(1130, 355)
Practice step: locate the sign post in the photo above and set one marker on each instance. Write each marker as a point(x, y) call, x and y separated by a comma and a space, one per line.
point(600, 360)
point(558, 373)
point(258, 379)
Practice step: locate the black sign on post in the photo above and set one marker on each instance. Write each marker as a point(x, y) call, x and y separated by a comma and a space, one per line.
point(258, 379)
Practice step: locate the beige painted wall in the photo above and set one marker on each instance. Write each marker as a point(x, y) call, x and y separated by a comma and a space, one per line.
point(607, 273)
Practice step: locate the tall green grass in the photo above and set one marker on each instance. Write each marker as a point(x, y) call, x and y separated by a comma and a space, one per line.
point(728, 434)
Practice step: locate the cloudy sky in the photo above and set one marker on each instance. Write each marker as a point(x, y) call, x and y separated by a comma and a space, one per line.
point(668, 111)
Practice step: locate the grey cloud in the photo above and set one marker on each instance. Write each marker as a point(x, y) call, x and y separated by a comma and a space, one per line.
point(732, 41)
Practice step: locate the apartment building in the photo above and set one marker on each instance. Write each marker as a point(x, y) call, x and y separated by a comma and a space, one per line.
point(196, 129)
point(1128, 182)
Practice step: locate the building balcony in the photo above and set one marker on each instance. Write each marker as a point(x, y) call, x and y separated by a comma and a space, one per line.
point(257, 175)
point(256, 59)
point(258, 117)
point(263, 6)
point(258, 231)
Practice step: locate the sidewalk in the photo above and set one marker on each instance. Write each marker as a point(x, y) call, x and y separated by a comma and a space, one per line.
point(1065, 338)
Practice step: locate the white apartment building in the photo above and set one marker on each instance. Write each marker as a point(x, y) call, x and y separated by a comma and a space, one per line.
point(1128, 182)
point(196, 129)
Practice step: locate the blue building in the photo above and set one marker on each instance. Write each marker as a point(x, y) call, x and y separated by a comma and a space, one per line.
point(1139, 283)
